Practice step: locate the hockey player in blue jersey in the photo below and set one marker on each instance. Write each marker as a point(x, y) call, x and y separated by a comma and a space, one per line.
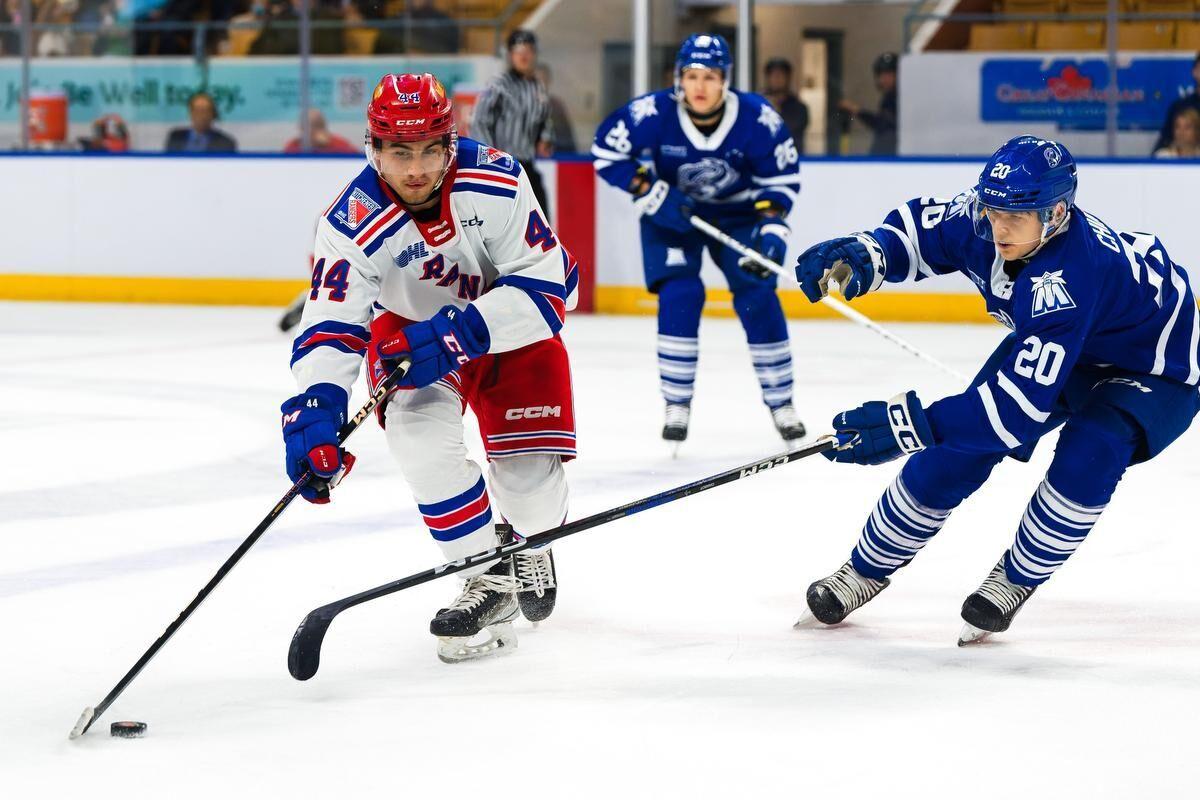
point(1105, 334)
point(703, 148)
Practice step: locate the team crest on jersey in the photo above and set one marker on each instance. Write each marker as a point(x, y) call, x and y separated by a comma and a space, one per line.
point(707, 179)
point(490, 155)
point(642, 107)
point(410, 254)
point(770, 117)
point(358, 207)
point(1050, 294)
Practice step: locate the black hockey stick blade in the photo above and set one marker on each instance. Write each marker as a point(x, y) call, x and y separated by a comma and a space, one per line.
point(304, 653)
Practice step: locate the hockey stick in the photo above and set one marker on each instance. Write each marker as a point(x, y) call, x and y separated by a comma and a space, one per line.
point(92, 713)
point(304, 653)
point(837, 305)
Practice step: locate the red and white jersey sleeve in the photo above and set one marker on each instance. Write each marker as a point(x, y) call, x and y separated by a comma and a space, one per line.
point(536, 277)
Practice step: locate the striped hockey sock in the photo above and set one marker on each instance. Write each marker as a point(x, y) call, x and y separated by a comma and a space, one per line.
point(1051, 529)
point(462, 524)
point(773, 368)
point(896, 531)
point(677, 357)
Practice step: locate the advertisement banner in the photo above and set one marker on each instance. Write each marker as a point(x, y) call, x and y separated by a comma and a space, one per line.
point(1073, 92)
point(246, 90)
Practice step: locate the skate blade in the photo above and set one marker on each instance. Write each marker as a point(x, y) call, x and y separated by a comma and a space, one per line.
point(970, 635)
point(675, 449)
point(455, 649)
point(807, 621)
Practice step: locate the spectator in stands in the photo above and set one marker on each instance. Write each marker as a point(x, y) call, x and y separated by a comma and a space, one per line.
point(200, 136)
point(1191, 100)
point(323, 139)
point(778, 75)
point(426, 29)
point(882, 122)
point(1185, 136)
point(281, 32)
point(10, 41)
point(56, 41)
point(564, 136)
point(513, 112)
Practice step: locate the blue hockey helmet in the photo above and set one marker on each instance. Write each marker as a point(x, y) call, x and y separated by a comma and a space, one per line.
point(1026, 174)
point(709, 50)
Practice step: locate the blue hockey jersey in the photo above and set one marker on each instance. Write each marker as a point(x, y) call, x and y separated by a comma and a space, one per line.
point(1091, 296)
point(750, 156)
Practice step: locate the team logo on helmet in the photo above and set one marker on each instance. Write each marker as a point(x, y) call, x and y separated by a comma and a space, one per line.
point(1053, 157)
point(1050, 294)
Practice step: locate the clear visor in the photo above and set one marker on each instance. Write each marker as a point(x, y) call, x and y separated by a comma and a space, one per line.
point(1007, 227)
point(390, 159)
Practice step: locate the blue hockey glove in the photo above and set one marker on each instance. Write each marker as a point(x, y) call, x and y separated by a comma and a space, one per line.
point(310, 439)
point(769, 238)
point(439, 345)
point(665, 206)
point(855, 263)
point(877, 432)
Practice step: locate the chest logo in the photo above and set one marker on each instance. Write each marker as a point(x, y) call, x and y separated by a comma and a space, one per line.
point(358, 207)
point(410, 254)
point(435, 269)
point(707, 179)
point(1050, 294)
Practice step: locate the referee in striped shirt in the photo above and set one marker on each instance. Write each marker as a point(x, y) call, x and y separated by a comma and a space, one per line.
point(513, 112)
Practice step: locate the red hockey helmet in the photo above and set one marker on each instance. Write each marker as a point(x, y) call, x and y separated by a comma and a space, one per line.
point(410, 108)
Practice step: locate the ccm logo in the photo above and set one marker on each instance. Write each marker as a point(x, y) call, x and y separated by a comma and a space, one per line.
point(533, 412)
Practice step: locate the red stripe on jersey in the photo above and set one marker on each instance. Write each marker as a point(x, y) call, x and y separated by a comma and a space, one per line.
point(356, 342)
point(379, 223)
point(477, 175)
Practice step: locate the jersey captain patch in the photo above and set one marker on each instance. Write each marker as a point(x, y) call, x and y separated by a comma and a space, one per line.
point(358, 207)
point(1050, 294)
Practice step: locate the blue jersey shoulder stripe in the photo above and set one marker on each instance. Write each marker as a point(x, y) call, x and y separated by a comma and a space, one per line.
point(479, 188)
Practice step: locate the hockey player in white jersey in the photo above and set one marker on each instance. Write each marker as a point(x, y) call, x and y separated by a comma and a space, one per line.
point(438, 251)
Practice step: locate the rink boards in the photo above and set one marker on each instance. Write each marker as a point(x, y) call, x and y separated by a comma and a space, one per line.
point(237, 230)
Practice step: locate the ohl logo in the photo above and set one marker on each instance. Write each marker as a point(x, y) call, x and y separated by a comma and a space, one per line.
point(410, 254)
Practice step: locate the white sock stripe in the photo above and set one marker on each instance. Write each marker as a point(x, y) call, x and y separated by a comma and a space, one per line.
point(893, 535)
point(1030, 532)
point(773, 377)
point(939, 514)
point(921, 516)
point(678, 354)
point(783, 346)
point(1052, 519)
point(1082, 509)
point(899, 518)
point(677, 370)
point(1038, 525)
point(870, 552)
point(1068, 514)
point(1027, 567)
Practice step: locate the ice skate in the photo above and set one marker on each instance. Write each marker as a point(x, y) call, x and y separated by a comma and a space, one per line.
point(675, 425)
point(484, 611)
point(535, 571)
point(831, 599)
point(991, 608)
point(788, 423)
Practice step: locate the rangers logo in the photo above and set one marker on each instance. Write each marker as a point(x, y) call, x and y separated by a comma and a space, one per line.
point(357, 209)
point(707, 179)
point(490, 155)
point(1050, 294)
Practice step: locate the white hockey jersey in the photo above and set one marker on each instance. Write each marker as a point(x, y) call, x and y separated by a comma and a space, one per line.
point(490, 247)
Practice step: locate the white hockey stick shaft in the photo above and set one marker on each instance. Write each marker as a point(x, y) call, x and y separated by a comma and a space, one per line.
point(837, 305)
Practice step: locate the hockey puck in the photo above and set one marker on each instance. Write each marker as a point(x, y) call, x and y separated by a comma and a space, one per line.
point(127, 730)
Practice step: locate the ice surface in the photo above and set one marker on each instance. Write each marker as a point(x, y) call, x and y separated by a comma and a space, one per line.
point(141, 445)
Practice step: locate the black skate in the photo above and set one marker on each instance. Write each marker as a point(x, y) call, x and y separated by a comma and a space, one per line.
point(487, 605)
point(535, 571)
point(788, 423)
point(991, 607)
point(675, 425)
point(831, 599)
